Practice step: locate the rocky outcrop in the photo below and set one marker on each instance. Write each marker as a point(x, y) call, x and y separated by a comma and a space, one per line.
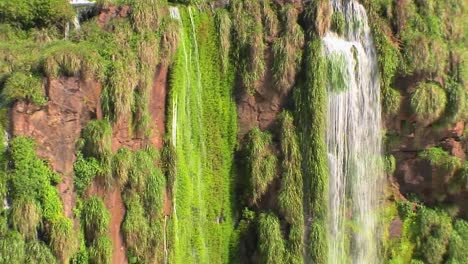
point(57, 125)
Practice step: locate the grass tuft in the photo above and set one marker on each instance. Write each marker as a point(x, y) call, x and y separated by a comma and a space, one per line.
point(428, 103)
point(20, 86)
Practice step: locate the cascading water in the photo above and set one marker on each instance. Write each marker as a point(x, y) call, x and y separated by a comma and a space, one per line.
point(353, 139)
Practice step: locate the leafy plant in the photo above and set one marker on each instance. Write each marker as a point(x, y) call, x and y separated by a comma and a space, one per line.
point(441, 159)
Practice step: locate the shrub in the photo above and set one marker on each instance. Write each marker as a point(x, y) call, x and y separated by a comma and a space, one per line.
point(271, 244)
point(135, 227)
point(85, 171)
point(100, 252)
point(154, 193)
point(96, 218)
point(338, 22)
point(12, 248)
point(146, 14)
point(26, 217)
point(36, 13)
point(69, 59)
point(97, 137)
point(38, 253)
point(261, 163)
point(138, 175)
point(20, 86)
point(62, 239)
point(458, 242)
point(122, 165)
point(441, 159)
point(428, 103)
point(432, 230)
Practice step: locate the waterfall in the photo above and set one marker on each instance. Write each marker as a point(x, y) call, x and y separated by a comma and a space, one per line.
point(353, 139)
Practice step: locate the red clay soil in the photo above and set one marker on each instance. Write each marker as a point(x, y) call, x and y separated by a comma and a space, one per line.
point(57, 125)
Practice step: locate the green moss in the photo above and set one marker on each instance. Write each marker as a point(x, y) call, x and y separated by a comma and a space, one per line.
point(202, 126)
point(271, 244)
point(338, 22)
point(260, 162)
point(440, 159)
point(428, 103)
point(310, 100)
point(20, 86)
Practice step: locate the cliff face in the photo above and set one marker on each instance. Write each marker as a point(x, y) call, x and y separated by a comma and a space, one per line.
point(209, 173)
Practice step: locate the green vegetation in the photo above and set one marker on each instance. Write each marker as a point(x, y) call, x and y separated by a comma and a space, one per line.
point(248, 35)
point(37, 252)
point(287, 50)
point(390, 164)
point(95, 218)
point(122, 166)
point(100, 252)
point(337, 72)
point(70, 59)
point(36, 13)
point(291, 194)
point(85, 170)
point(441, 159)
point(202, 127)
point(261, 163)
point(271, 244)
point(338, 23)
point(224, 26)
point(135, 227)
point(428, 236)
point(20, 86)
point(62, 239)
point(26, 217)
point(97, 136)
point(428, 103)
point(318, 16)
point(310, 99)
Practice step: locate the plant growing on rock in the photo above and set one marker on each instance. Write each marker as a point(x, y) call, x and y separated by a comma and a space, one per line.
point(261, 163)
point(428, 103)
point(20, 86)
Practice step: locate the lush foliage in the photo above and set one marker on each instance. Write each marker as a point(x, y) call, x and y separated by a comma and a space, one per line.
point(271, 244)
point(202, 131)
point(310, 99)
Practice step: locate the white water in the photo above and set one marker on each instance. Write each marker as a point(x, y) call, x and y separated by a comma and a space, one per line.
point(354, 142)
